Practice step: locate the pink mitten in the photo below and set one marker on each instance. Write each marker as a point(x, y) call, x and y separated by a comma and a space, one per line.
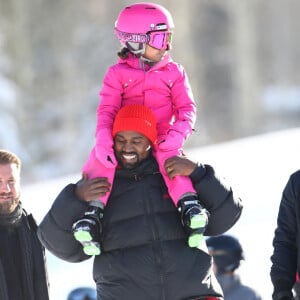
point(173, 140)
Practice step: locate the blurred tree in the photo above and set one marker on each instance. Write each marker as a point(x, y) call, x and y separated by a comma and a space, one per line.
point(242, 59)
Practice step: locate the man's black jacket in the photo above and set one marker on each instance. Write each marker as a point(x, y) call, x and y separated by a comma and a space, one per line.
point(22, 257)
point(144, 247)
point(286, 242)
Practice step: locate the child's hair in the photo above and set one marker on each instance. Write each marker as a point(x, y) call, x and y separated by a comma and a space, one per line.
point(123, 53)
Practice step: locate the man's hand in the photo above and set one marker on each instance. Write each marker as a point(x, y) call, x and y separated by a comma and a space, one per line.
point(91, 189)
point(179, 165)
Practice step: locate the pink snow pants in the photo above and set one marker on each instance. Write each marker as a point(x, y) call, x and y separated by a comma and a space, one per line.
point(177, 187)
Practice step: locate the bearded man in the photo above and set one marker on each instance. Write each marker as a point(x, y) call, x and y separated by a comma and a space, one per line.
point(23, 274)
point(144, 250)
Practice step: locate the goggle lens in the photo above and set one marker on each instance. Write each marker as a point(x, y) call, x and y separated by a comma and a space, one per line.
point(160, 40)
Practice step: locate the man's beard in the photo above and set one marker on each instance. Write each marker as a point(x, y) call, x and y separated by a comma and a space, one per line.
point(8, 207)
point(125, 164)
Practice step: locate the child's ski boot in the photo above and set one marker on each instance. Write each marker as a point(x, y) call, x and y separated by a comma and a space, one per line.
point(87, 230)
point(194, 219)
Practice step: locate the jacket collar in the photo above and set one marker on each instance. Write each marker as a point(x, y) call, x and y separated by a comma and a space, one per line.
point(12, 219)
point(148, 166)
point(135, 62)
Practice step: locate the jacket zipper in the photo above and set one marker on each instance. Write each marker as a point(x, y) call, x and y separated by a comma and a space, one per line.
point(156, 245)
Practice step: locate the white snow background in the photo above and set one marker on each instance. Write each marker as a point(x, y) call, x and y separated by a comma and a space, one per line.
point(257, 168)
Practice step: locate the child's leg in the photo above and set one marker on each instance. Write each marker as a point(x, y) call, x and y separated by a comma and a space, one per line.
point(88, 229)
point(179, 186)
point(94, 168)
point(193, 216)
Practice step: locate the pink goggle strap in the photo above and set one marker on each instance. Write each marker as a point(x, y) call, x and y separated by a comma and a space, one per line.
point(158, 39)
point(131, 37)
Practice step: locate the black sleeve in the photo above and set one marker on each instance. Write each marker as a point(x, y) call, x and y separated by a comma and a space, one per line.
point(284, 257)
point(55, 230)
point(218, 198)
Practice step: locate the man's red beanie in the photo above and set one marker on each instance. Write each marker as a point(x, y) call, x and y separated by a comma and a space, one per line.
point(136, 117)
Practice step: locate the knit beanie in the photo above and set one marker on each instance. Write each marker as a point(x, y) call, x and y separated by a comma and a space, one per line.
point(136, 117)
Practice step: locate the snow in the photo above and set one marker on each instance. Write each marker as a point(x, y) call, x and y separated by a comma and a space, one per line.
point(256, 167)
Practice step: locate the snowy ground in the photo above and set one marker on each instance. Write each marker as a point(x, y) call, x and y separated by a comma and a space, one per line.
point(257, 168)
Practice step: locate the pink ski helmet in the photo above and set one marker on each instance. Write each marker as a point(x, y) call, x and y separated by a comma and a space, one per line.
point(147, 23)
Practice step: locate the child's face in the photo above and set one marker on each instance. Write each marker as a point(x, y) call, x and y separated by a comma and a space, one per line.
point(154, 54)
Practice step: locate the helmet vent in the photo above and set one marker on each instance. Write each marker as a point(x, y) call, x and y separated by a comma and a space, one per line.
point(161, 26)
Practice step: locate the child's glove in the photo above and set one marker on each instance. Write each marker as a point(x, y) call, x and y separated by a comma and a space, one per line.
point(104, 149)
point(106, 156)
point(171, 141)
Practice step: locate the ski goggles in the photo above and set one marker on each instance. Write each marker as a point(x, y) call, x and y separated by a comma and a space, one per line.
point(160, 39)
point(157, 39)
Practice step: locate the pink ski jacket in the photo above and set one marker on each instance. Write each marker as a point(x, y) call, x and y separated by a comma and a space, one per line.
point(164, 88)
